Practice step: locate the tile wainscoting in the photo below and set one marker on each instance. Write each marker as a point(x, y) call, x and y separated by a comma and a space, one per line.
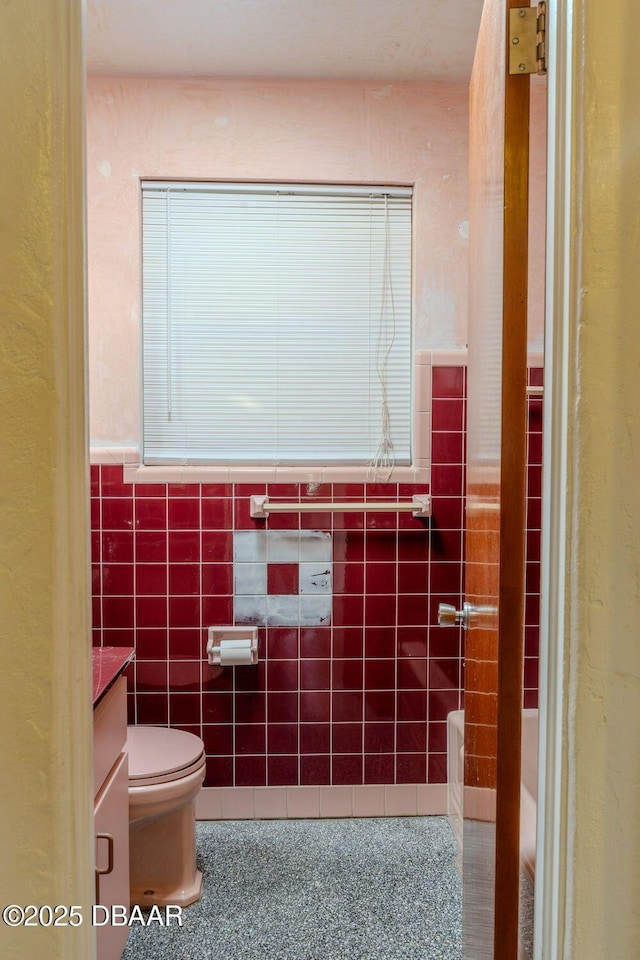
point(347, 714)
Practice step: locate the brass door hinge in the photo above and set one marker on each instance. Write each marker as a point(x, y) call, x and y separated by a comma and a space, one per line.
point(527, 39)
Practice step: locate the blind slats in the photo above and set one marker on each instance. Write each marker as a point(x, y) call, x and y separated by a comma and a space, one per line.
point(262, 316)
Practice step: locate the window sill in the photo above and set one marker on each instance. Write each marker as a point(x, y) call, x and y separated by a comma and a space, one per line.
point(135, 472)
point(190, 474)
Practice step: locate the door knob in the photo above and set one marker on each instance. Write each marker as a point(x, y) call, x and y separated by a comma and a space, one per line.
point(448, 616)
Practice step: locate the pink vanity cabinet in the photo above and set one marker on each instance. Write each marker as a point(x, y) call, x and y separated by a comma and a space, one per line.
point(111, 799)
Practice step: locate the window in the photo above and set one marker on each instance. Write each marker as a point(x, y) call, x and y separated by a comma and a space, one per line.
point(276, 324)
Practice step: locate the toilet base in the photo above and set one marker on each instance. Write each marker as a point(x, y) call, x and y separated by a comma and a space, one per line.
point(162, 851)
point(180, 897)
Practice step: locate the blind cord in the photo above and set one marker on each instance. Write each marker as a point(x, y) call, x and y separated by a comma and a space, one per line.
point(169, 308)
point(382, 464)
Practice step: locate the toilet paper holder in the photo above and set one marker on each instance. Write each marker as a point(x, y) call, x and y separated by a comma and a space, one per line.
point(232, 646)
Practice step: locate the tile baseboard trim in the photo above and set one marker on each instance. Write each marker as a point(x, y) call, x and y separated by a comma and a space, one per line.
point(113, 456)
point(458, 357)
point(449, 358)
point(319, 802)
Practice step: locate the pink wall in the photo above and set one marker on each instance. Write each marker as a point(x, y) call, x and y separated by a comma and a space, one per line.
point(537, 213)
point(263, 130)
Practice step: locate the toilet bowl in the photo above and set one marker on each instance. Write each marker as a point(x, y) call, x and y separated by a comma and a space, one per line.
point(166, 770)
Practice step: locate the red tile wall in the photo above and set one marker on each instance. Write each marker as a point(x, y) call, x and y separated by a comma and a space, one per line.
point(363, 700)
point(534, 513)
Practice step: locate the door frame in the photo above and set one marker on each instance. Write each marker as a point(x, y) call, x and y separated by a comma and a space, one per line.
point(590, 870)
point(553, 835)
point(554, 841)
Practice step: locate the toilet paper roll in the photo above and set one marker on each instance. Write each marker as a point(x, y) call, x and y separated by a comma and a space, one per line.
point(235, 653)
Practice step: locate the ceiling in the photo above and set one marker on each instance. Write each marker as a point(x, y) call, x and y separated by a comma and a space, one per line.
point(392, 40)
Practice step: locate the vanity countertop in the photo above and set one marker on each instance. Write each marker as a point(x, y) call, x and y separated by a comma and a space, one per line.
point(108, 664)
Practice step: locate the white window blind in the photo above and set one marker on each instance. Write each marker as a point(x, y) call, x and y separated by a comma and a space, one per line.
point(276, 323)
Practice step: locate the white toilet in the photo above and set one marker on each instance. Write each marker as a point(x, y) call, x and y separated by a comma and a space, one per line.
point(166, 770)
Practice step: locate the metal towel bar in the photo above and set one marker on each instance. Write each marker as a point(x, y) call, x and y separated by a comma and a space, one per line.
point(419, 506)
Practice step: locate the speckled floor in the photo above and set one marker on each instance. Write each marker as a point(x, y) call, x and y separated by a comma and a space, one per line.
point(370, 889)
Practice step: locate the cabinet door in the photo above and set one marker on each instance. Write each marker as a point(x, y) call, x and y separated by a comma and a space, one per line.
point(112, 857)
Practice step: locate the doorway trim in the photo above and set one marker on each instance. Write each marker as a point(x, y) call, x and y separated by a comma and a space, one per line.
point(556, 689)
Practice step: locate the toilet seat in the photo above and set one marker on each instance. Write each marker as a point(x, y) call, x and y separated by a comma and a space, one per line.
point(162, 755)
